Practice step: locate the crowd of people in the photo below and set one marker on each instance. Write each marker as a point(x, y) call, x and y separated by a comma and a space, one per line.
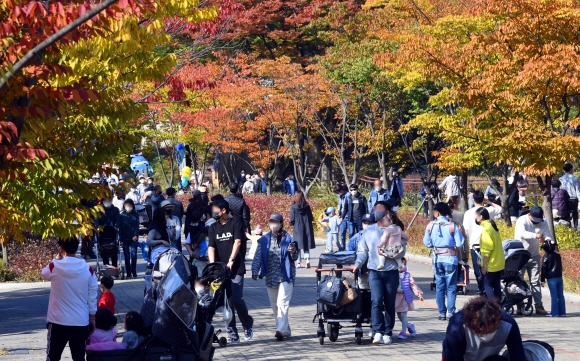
point(218, 230)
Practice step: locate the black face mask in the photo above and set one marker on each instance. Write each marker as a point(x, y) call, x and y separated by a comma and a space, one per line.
point(216, 215)
point(535, 222)
point(477, 222)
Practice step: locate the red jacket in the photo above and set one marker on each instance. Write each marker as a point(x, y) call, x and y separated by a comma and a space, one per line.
point(107, 300)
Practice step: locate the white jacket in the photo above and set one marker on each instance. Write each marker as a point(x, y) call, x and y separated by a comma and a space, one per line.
point(73, 291)
point(526, 232)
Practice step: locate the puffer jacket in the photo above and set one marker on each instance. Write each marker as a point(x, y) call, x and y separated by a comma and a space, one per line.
point(128, 225)
point(560, 201)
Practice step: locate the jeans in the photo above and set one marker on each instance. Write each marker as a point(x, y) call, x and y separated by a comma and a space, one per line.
point(492, 284)
point(383, 286)
point(236, 294)
point(532, 268)
point(280, 302)
point(556, 286)
point(306, 255)
point(446, 283)
point(331, 240)
point(342, 231)
point(59, 335)
point(354, 227)
point(477, 271)
point(130, 254)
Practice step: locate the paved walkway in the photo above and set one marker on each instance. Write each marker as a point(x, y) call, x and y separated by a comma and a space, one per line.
point(23, 332)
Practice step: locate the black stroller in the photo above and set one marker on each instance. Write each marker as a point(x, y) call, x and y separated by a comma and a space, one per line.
point(358, 311)
point(216, 274)
point(107, 245)
point(515, 291)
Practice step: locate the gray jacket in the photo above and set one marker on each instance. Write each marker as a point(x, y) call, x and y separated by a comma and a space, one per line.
point(368, 250)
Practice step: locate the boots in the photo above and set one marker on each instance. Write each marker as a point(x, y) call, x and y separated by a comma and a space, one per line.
point(540, 310)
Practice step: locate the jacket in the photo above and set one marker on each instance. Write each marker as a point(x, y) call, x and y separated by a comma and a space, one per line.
point(178, 210)
point(261, 257)
point(551, 266)
point(560, 201)
point(397, 182)
point(347, 208)
point(525, 231)
point(490, 246)
point(286, 188)
point(73, 291)
point(451, 186)
point(367, 251)
point(375, 196)
point(109, 219)
point(515, 206)
point(128, 225)
point(103, 340)
point(440, 237)
point(301, 219)
point(340, 204)
point(239, 209)
point(571, 185)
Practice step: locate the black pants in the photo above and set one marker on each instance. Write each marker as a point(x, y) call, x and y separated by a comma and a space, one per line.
point(109, 253)
point(59, 335)
point(492, 284)
point(574, 211)
point(477, 271)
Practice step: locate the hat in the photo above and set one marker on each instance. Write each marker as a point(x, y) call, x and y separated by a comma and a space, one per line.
point(277, 217)
point(368, 218)
point(522, 185)
point(150, 178)
point(167, 204)
point(196, 193)
point(537, 214)
point(141, 177)
point(329, 210)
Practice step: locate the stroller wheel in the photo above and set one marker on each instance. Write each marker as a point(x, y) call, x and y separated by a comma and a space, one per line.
point(509, 309)
point(223, 342)
point(527, 308)
point(358, 339)
point(332, 329)
point(321, 340)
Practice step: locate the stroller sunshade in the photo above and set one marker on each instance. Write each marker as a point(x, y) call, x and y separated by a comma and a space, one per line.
point(177, 296)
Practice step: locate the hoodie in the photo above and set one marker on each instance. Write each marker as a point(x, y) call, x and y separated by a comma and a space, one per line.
point(73, 291)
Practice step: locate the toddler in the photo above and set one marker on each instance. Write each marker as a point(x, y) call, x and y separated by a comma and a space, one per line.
point(391, 242)
point(404, 300)
point(331, 223)
point(204, 297)
point(552, 271)
point(103, 338)
point(107, 299)
point(134, 328)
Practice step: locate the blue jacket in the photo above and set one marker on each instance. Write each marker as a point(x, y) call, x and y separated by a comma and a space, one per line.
point(353, 242)
point(263, 187)
point(375, 196)
point(286, 262)
point(440, 237)
point(346, 213)
point(286, 186)
point(397, 182)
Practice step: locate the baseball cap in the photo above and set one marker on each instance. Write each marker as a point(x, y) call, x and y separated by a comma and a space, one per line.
point(537, 214)
point(329, 210)
point(277, 217)
point(368, 218)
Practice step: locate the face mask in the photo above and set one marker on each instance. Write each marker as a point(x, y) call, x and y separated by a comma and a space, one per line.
point(275, 227)
point(128, 209)
point(149, 182)
point(142, 181)
point(365, 225)
point(215, 215)
point(379, 215)
point(107, 204)
point(200, 290)
point(353, 193)
point(535, 222)
point(477, 222)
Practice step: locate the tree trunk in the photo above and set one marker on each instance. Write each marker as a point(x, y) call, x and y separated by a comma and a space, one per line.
point(546, 188)
point(383, 167)
point(5, 251)
point(463, 191)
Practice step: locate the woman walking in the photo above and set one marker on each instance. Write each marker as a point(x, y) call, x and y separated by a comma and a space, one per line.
point(492, 257)
point(129, 236)
point(274, 259)
point(303, 232)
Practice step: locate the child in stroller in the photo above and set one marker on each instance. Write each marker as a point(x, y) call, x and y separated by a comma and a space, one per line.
point(515, 291)
point(215, 276)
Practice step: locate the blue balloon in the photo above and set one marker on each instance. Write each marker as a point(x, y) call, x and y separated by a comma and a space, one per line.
point(138, 162)
point(180, 146)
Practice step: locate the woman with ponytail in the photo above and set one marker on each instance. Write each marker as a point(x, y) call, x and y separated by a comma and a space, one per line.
point(492, 257)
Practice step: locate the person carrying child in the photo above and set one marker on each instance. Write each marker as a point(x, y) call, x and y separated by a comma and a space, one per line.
point(134, 330)
point(107, 299)
point(391, 243)
point(552, 271)
point(404, 300)
point(331, 223)
point(103, 337)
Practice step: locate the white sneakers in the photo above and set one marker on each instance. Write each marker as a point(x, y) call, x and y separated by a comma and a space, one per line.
point(382, 340)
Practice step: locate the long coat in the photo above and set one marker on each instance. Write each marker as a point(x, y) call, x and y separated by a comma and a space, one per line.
point(301, 219)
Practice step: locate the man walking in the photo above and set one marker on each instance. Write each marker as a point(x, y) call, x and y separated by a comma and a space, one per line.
point(570, 184)
point(473, 231)
point(227, 244)
point(72, 303)
point(378, 193)
point(238, 206)
point(355, 207)
point(533, 231)
point(444, 237)
point(383, 282)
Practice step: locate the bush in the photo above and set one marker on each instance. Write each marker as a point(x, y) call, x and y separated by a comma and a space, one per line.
point(416, 232)
point(5, 273)
point(571, 270)
point(26, 260)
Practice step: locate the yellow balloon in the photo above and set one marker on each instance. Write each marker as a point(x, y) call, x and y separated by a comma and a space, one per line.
point(186, 172)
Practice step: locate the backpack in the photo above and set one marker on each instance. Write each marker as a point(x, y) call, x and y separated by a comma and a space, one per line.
point(450, 224)
point(330, 290)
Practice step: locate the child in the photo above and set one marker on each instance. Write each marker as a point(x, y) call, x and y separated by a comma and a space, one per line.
point(204, 297)
point(331, 223)
point(103, 338)
point(107, 299)
point(404, 300)
point(134, 328)
point(391, 242)
point(552, 271)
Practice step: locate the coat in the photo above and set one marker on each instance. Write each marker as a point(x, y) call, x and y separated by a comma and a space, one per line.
point(301, 219)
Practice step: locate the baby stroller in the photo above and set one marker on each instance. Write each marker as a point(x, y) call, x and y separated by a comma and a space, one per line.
point(216, 274)
point(355, 312)
point(535, 351)
point(515, 291)
point(163, 263)
point(108, 244)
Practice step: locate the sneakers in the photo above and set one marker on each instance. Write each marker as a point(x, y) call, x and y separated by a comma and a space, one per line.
point(442, 317)
point(327, 250)
point(232, 336)
point(279, 336)
point(449, 315)
point(402, 336)
point(307, 262)
point(248, 334)
point(412, 330)
point(540, 310)
point(378, 339)
point(387, 340)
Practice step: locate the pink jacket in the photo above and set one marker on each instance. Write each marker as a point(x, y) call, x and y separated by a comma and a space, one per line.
point(102, 340)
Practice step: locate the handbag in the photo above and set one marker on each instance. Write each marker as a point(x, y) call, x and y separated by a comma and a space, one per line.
point(330, 290)
point(349, 293)
point(227, 313)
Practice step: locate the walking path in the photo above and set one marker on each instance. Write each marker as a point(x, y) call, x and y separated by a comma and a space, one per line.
point(23, 326)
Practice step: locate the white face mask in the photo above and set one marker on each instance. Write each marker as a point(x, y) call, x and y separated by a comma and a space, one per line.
point(129, 209)
point(200, 290)
point(107, 204)
point(133, 189)
point(378, 188)
point(354, 192)
point(275, 227)
point(142, 181)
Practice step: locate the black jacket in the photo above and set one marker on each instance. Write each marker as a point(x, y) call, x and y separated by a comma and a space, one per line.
point(515, 206)
point(239, 209)
point(178, 211)
point(551, 266)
